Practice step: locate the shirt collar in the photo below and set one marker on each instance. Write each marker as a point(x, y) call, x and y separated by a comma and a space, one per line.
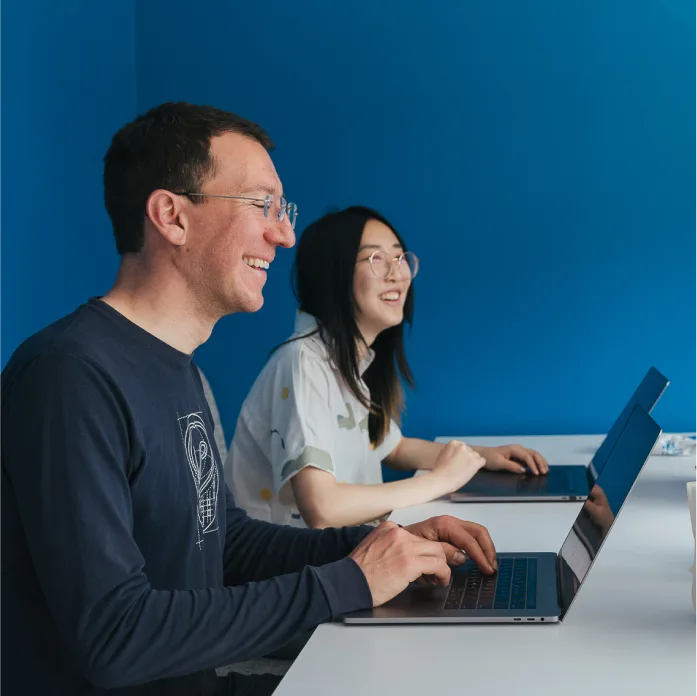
point(305, 323)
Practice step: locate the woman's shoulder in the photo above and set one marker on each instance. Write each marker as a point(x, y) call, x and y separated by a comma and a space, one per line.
point(299, 352)
point(298, 360)
point(294, 368)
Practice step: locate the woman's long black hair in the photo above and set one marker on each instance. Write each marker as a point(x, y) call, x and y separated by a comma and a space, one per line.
point(325, 262)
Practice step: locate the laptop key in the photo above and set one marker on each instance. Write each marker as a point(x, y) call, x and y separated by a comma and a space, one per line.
point(486, 594)
point(532, 584)
point(513, 587)
point(457, 591)
point(471, 593)
point(453, 602)
point(517, 603)
point(519, 583)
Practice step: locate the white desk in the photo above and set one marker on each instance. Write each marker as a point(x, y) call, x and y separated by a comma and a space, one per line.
point(631, 629)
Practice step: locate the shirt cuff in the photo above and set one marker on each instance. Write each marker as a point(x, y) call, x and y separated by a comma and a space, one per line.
point(345, 587)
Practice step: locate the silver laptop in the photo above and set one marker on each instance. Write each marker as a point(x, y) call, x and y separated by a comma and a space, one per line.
point(562, 482)
point(531, 587)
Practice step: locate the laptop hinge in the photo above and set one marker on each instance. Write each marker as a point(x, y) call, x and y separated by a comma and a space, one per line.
point(559, 581)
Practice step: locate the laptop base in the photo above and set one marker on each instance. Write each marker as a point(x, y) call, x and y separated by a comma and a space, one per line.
point(562, 483)
point(425, 604)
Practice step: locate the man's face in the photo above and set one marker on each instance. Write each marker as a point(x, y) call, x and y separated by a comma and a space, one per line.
point(229, 239)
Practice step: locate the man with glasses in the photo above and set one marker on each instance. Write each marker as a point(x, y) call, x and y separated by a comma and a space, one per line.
point(126, 564)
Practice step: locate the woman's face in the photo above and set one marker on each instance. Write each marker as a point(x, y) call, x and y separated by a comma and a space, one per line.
point(380, 288)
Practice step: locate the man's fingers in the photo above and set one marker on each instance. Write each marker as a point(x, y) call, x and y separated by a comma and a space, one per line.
point(485, 562)
point(427, 581)
point(425, 547)
point(472, 538)
point(453, 555)
point(485, 543)
point(435, 567)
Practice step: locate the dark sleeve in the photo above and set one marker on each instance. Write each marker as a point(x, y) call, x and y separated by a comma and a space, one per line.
point(65, 439)
point(256, 550)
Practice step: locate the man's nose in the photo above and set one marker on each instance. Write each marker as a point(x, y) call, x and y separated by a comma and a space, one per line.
point(282, 234)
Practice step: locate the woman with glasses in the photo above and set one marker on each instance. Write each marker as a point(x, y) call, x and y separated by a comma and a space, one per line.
point(324, 412)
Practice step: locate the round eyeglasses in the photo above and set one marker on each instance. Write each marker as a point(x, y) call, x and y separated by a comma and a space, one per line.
point(406, 265)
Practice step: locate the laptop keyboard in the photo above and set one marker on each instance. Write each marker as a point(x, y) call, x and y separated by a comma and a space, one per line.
point(513, 587)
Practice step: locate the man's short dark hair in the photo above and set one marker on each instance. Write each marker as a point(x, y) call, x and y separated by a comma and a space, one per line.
point(166, 148)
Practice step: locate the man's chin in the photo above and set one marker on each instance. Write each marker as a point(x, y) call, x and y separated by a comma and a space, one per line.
point(254, 304)
point(247, 305)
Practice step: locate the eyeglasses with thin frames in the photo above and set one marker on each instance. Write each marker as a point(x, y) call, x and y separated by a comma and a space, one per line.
point(407, 264)
point(277, 203)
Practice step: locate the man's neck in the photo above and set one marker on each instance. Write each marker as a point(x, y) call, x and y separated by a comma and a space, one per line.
point(164, 307)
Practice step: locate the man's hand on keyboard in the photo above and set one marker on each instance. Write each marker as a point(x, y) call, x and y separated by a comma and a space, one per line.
point(456, 536)
point(391, 558)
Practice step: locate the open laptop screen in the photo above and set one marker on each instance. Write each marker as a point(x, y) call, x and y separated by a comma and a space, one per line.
point(598, 514)
point(646, 395)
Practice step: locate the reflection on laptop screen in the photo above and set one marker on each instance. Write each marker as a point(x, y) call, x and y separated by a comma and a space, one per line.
point(606, 498)
point(646, 396)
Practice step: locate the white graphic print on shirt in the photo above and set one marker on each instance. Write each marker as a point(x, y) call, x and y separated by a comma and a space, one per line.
point(204, 471)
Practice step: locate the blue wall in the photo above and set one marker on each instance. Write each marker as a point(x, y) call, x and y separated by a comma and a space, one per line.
point(538, 157)
point(68, 82)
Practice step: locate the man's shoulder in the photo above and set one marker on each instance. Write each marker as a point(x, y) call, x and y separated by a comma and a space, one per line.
point(70, 338)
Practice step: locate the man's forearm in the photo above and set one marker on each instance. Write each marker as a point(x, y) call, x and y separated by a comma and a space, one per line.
point(165, 634)
point(257, 550)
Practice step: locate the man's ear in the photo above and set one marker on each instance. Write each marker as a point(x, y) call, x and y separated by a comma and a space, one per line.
point(167, 215)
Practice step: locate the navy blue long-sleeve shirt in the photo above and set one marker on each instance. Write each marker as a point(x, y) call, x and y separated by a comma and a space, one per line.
point(125, 563)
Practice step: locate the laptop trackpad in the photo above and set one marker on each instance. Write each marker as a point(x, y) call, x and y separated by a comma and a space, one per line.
point(416, 600)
